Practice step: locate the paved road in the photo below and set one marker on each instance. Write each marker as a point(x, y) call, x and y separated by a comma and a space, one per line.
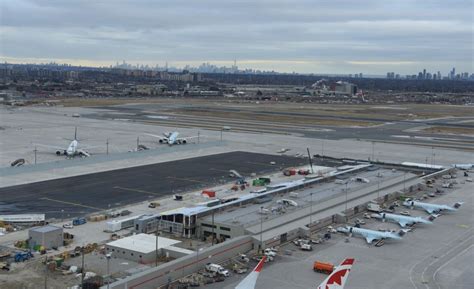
point(96, 192)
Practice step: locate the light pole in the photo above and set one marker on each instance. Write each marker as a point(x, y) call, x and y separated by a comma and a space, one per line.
point(345, 210)
point(156, 243)
point(46, 273)
point(62, 215)
point(35, 154)
point(261, 229)
point(212, 242)
point(108, 256)
point(83, 271)
point(221, 133)
point(378, 189)
point(310, 213)
point(107, 144)
point(373, 145)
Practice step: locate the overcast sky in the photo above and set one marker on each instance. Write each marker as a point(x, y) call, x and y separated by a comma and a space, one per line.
point(313, 36)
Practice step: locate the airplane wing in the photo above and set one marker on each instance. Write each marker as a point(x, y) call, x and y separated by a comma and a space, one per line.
point(84, 152)
point(402, 224)
point(369, 239)
point(251, 279)
point(188, 137)
point(49, 146)
point(337, 279)
point(157, 136)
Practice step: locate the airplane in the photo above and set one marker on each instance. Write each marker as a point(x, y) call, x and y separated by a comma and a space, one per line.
point(431, 208)
point(251, 279)
point(171, 138)
point(463, 166)
point(337, 279)
point(71, 151)
point(403, 221)
point(371, 235)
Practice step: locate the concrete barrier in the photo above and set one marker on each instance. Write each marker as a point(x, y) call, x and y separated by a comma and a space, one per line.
point(171, 271)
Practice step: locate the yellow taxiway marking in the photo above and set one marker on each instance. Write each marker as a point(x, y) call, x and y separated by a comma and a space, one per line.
point(136, 190)
point(184, 179)
point(71, 203)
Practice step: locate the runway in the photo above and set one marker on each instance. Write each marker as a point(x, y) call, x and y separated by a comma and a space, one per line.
point(81, 195)
point(381, 130)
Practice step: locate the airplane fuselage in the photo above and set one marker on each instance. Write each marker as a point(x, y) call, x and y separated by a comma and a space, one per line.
point(371, 235)
point(403, 221)
point(431, 208)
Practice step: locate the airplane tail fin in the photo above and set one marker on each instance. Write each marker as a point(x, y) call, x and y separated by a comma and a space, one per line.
point(458, 205)
point(402, 232)
point(251, 279)
point(338, 277)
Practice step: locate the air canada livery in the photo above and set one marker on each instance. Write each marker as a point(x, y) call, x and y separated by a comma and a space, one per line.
point(338, 277)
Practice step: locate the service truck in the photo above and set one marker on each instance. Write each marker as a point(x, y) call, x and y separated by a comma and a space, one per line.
point(216, 268)
point(323, 267)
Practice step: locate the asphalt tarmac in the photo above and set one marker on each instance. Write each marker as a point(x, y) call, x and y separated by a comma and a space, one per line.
point(81, 195)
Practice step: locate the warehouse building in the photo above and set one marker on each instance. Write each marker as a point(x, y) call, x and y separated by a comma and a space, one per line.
point(50, 237)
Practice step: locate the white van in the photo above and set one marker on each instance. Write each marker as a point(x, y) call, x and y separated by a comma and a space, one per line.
point(217, 269)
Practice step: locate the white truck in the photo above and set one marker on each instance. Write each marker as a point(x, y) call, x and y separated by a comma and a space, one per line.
point(216, 268)
point(306, 247)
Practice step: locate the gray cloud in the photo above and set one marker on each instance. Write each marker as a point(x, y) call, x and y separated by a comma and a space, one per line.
point(348, 36)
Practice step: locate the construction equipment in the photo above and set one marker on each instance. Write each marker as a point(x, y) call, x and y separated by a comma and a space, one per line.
point(322, 267)
point(4, 266)
point(23, 256)
point(79, 221)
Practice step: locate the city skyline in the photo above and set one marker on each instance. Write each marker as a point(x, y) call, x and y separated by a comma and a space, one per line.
point(334, 37)
point(207, 67)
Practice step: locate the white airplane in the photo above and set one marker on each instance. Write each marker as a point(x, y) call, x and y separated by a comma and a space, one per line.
point(171, 138)
point(71, 151)
point(337, 279)
point(431, 208)
point(463, 166)
point(371, 235)
point(403, 221)
point(251, 279)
